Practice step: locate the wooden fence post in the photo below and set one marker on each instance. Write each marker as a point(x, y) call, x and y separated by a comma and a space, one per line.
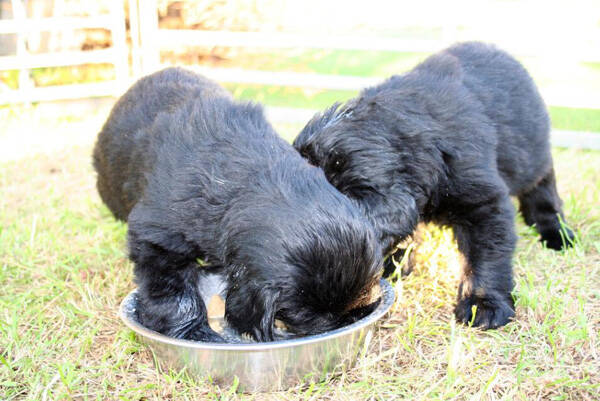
point(19, 16)
point(148, 22)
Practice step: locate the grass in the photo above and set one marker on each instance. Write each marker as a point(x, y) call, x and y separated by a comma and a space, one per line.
point(63, 271)
point(49, 76)
point(575, 119)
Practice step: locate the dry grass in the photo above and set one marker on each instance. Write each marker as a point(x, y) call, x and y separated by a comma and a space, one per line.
point(63, 271)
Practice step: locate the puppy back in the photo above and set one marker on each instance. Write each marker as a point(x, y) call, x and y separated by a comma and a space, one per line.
point(121, 154)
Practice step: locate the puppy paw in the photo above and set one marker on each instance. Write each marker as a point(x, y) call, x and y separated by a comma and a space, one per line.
point(491, 312)
point(194, 330)
point(197, 331)
point(205, 336)
point(558, 239)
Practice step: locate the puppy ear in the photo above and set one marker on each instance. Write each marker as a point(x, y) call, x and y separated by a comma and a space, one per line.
point(268, 304)
point(251, 308)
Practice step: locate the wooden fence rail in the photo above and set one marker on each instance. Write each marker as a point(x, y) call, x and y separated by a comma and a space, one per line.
point(117, 55)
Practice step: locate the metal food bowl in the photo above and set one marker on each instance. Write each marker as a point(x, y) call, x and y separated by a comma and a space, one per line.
point(270, 366)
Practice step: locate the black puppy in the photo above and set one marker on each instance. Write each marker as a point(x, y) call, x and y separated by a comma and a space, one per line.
point(199, 176)
point(448, 142)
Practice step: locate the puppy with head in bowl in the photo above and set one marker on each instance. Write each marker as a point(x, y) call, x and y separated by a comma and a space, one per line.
point(197, 175)
point(449, 142)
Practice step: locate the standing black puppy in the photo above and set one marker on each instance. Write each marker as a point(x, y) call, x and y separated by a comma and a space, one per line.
point(197, 175)
point(449, 142)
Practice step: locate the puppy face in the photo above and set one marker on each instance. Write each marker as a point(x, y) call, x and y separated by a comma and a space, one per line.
point(313, 279)
point(332, 279)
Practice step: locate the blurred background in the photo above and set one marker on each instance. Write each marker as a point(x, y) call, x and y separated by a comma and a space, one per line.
point(64, 62)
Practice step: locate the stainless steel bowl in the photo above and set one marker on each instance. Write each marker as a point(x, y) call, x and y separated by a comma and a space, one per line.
point(268, 366)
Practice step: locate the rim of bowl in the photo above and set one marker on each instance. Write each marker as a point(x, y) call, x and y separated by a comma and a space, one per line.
point(388, 296)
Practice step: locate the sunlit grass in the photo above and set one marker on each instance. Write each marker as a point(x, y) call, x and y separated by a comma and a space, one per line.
point(290, 97)
point(49, 76)
point(575, 119)
point(64, 269)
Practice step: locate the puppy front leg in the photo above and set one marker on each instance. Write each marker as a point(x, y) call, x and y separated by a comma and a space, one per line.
point(486, 238)
point(250, 308)
point(169, 301)
point(394, 219)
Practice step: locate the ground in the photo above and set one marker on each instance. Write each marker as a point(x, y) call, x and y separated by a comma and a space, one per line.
point(64, 270)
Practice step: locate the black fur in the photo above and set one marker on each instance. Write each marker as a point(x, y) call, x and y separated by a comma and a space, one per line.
point(448, 142)
point(197, 175)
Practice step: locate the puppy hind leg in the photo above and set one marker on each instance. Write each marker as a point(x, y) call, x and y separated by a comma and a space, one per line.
point(170, 302)
point(541, 206)
point(486, 238)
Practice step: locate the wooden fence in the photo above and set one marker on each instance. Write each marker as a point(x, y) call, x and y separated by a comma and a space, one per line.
point(23, 61)
point(147, 40)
